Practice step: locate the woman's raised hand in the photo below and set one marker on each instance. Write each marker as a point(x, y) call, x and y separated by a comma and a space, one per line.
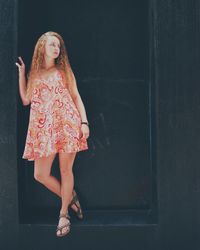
point(21, 67)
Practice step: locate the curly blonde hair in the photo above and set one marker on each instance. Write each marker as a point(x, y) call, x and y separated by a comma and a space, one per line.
point(62, 62)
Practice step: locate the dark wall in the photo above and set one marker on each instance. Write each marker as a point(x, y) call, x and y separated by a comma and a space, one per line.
point(176, 44)
point(8, 148)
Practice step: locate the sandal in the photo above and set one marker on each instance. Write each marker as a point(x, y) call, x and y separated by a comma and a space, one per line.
point(75, 201)
point(67, 225)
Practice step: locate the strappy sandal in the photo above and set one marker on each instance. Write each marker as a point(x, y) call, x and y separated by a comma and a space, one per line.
point(67, 225)
point(75, 201)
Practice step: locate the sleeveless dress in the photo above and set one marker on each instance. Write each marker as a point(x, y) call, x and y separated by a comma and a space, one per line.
point(54, 120)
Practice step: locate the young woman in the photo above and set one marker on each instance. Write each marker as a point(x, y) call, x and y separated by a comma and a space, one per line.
point(57, 123)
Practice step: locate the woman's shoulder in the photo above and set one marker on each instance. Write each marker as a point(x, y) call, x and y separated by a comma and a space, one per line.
point(62, 73)
point(35, 75)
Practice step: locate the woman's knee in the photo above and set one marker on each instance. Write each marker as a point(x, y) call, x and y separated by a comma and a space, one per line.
point(65, 171)
point(42, 168)
point(39, 173)
point(66, 161)
point(38, 176)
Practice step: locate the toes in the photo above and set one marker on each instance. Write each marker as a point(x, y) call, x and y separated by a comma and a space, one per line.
point(58, 232)
point(64, 230)
point(74, 207)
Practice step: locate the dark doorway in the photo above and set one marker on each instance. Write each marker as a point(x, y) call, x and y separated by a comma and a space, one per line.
point(108, 46)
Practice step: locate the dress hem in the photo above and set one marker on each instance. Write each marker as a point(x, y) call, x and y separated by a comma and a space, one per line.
point(53, 152)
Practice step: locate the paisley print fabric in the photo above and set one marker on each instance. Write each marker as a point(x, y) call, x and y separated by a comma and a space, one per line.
point(54, 121)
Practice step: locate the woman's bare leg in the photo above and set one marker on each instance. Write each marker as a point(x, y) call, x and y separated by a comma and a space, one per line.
point(66, 161)
point(42, 173)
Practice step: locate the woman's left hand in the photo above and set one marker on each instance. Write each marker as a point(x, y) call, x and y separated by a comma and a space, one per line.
point(85, 131)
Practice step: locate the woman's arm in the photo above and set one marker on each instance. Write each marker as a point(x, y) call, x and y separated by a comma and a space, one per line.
point(77, 100)
point(80, 106)
point(23, 89)
point(22, 82)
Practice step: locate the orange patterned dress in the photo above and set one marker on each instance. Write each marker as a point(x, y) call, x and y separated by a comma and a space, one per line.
point(54, 121)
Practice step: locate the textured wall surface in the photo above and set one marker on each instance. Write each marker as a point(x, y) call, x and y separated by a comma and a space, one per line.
point(177, 54)
point(8, 165)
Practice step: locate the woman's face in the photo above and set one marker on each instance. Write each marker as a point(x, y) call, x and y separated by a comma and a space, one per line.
point(52, 47)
